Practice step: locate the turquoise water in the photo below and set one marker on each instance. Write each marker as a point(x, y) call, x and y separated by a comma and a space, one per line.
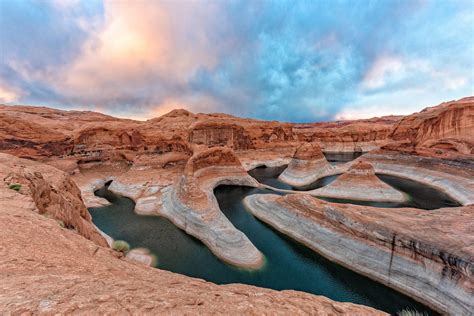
point(289, 265)
point(420, 196)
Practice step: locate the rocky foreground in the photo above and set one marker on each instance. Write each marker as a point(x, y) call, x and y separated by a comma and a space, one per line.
point(427, 255)
point(53, 259)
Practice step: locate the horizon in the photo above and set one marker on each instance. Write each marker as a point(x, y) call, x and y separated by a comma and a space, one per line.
point(309, 62)
point(223, 113)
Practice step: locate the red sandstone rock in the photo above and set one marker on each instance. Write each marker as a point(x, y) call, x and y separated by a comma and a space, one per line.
point(308, 151)
point(47, 191)
point(89, 140)
point(360, 183)
point(446, 127)
point(46, 269)
point(426, 254)
point(41, 132)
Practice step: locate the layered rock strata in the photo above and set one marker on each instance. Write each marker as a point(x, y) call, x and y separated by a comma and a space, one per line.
point(360, 183)
point(428, 256)
point(308, 165)
point(455, 178)
point(444, 130)
point(48, 269)
point(191, 205)
point(47, 191)
point(189, 202)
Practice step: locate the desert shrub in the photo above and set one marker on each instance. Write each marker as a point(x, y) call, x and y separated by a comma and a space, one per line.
point(15, 186)
point(120, 245)
point(411, 312)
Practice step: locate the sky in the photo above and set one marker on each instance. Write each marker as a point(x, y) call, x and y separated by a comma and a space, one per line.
point(296, 61)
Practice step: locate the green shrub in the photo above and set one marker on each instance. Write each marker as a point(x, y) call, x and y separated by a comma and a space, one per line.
point(410, 312)
point(121, 246)
point(15, 186)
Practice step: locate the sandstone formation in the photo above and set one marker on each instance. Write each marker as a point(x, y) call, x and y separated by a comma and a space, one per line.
point(348, 136)
point(49, 269)
point(360, 183)
point(47, 191)
point(170, 166)
point(443, 129)
point(429, 256)
point(43, 134)
point(308, 165)
point(455, 178)
point(189, 202)
point(191, 205)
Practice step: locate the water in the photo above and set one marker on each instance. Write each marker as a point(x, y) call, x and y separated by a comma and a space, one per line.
point(289, 265)
point(420, 195)
point(269, 176)
point(341, 157)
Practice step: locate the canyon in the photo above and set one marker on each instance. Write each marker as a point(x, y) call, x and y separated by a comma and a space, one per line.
point(52, 162)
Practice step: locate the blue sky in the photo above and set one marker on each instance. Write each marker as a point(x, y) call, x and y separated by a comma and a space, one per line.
point(278, 60)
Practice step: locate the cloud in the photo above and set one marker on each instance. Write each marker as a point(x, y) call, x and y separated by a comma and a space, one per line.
point(383, 69)
point(140, 43)
point(305, 61)
point(8, 94)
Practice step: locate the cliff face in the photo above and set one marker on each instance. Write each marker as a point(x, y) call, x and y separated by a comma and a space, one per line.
point(36, 133)
point(47, 191)
point(446, 127)
point(358, 136)
point(220, 134)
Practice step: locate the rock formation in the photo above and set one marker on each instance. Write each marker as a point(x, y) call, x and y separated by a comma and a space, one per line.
point(41, 133)
point(360, 183)
point(170, 166)
point(446, 128)
point(308, 165)
point(47, 191)
point(348, 136)
point(426, 255)
point(46, 268)
point(455, 178)
point(218, 134)
point(189, 201)
point(192, 206)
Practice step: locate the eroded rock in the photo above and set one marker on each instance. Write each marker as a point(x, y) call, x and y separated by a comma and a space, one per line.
point(427, 255)
point(360, 183)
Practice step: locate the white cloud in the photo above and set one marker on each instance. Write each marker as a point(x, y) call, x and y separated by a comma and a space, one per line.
point(8, 94)
point(382, 70)
point(142, 44)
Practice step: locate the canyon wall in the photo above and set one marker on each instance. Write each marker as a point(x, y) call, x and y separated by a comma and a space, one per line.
point(47, 191)
point(42, 133)
point(446, 128)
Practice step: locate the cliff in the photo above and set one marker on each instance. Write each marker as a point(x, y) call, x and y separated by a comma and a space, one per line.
point(446, 128)
point(47, 191)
